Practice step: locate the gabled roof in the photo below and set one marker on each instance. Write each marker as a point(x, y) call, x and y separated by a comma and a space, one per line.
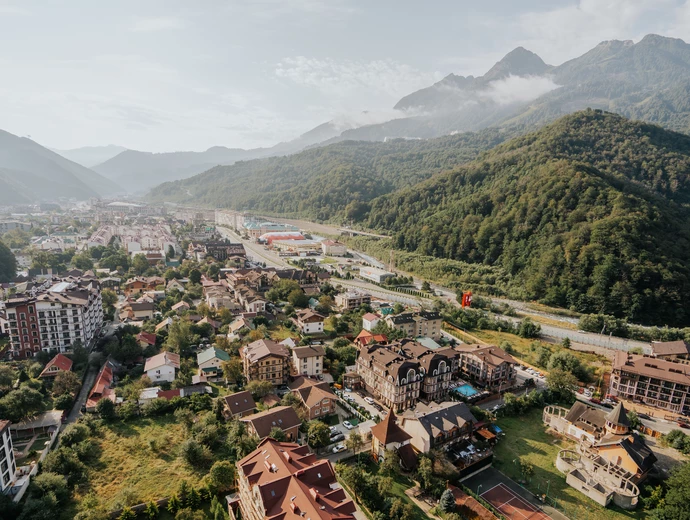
point(240, 402)
point(263, 348)
point(370, 316)
point(147, 337)
point(388, 431)
point(163, 359)
point(180, 305)
point(283, 417)
point(585, 417)
point(210, 353)
point(308, 351)
point(441, 418)
point(60, 361)
point(670, 348)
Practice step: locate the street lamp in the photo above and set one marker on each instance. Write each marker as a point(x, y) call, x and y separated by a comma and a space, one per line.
point(478, 488)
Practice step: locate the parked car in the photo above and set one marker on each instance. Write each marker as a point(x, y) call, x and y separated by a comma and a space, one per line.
point(337, 438)
point(347, 425)
point(339, 448)
point(334, 430)
point(369, 400)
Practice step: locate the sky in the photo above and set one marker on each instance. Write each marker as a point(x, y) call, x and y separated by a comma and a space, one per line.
point(187, 75)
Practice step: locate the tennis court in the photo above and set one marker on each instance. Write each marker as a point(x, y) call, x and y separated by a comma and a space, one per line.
point(512, 506)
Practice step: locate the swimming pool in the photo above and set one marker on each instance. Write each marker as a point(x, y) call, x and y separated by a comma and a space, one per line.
point(467, 390)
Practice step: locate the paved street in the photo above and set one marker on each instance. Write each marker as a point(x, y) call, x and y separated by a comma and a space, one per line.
point(255, 252)
point(80, 401)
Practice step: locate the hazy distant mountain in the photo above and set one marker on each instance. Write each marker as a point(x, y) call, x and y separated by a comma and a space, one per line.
point(31, 172)
point(648, 80)
point(90, 156)
point(140, 171)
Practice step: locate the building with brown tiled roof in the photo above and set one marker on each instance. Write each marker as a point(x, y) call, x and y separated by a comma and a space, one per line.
point(366, 337)
point(162, 367)
point(309, 322)
point(438, 424)
point(317, 398)
point(283, 417)
point(102, 388)
point(266, 360)
point(60, 363)
point(655, 382)
point(238, 405)
point(146, 339)
point(400, 373)
point(486, 365)
point(388, 436)
point(308, 361)
point(281, 480)
point(670, 350)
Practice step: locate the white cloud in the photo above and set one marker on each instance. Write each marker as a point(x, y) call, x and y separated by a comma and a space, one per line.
point(346, 78)
point(518, 89)
point(154, 24)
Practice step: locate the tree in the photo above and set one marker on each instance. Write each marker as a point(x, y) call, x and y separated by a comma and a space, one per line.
point(51, 483)
point(174, 504)
point(151, 512)
point(566, 342)
point(109, 298)
point(278, 434)
point(233, 369)
point(398, 308)
point(7, 376)
point(390, 466)
point(676, 504)
point(195, 276)
point(140, 264)
point(20, 404)
point(447, 502)
point(66, 382)
point(561, 383)
point(193, 499)
point(8, 264)
point(354, 442)
point(74, 434)
point(63, 402)
point(635, 421)
point(106, 409)
point(425, 286)
point(425, 473)
point(193, 453)
point(298, 298)
point(318, 434)
point(189, 514)
point(127, 514)
point(259, 389)
point(222, 475)
point(180, 337)
point(401, 511)
point(529, 329)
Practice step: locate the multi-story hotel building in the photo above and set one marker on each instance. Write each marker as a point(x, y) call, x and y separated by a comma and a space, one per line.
point(266, 360)
point(53, 320)
point(285, 480)
point(654, 382)
point(401, 373)
point(486, 365)
point(424, 323)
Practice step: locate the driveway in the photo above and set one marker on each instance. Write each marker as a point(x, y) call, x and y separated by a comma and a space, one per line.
point(361, 402)
point(89, 380)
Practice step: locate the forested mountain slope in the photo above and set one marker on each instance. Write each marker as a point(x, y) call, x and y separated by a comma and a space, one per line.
point(590, 212)
point(331, 182)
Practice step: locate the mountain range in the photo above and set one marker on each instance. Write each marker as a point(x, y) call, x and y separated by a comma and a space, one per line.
point(91, 156)
point(30, 172)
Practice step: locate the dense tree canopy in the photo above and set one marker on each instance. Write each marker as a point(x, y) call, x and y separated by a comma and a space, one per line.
point(8, 264)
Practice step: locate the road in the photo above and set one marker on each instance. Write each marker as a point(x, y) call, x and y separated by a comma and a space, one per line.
point(255, 252)
point(80, 401)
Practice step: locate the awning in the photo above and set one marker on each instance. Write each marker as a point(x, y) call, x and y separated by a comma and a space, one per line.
point(486, 434)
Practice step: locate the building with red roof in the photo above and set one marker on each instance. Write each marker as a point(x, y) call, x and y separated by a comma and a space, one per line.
point(102, 388)
point(146, 339)
point(60, 363)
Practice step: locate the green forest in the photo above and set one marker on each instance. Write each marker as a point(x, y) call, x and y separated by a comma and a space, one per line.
point(588, 213)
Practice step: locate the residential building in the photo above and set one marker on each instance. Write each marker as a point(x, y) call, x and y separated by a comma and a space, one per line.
point(266, 360)
point(283, 417)
point(138, 310)
point(333, 248)
point(309, 322)
point(210, 362)
point(141, 284)
point(487, 366)
point(370, 320)
point(436, 425)
point(156, 392)
point(351, 300)
point(219, 297)
point(221, 251)
point(609, 461)
point(388, 436)
point(60, 363)
point(238, 327)
point(655, 382)
point(401, 373)
point(317, 398)
point(102, 388)
point(250, 300)
point(54, 318)
point(671, 350)
point(375, 274)
point(146, 339)
point(308, 361)
point(11, 225)
point(239, 404)
point(175, 285)
point(180, 307)
point(282, 480)
point(162, 367)
point(163, 325)
point(423, 323)
point(8, 466)
point(365, 338)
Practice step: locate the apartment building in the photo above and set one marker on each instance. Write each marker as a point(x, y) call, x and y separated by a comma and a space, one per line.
point(308, 361)
point(283, 417)
point(316, 397)
point(655, 382)
point(8, 466)
point(436, 425)
point(309, 322)
point(350, 300)
point(68, 311)
point(420, 324)
point(266, 360)
point(401, 373)
point(283, 479)
point(486, 365)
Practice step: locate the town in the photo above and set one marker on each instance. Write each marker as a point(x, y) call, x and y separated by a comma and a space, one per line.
point(157, 361)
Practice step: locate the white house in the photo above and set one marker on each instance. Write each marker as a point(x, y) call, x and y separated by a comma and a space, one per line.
point(310, 322)
point(308, 361)
point(370, 320)
point(210, 362)
point(161, 367)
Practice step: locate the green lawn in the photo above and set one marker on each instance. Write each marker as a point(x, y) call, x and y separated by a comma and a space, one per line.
point(129, 467)
point(526, 441)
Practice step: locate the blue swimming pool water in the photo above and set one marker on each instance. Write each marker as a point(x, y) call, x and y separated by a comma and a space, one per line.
point(467, 390)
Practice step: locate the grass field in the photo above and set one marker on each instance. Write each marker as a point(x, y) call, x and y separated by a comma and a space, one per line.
point(130, 470)
point(281, 332)
point(526, 441)
point(538, 318)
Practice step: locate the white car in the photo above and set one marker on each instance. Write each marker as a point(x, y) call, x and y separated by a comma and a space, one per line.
point(347, 425)
point(333, 429)
point(369, 400)
point(339, 448)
